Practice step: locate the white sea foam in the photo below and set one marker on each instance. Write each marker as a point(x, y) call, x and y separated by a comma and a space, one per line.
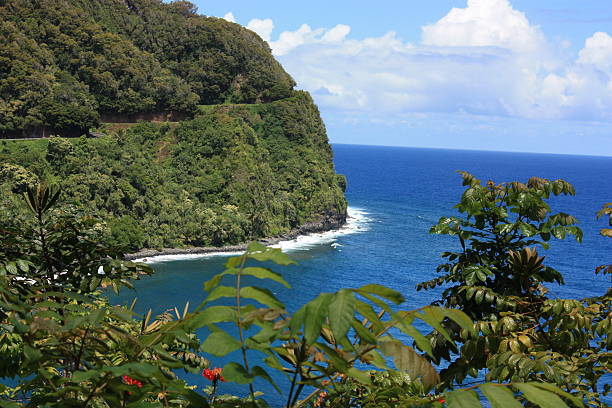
point(357, 221)
point(183, 257)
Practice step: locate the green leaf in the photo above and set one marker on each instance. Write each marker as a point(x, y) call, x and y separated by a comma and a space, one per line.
point(297, 320)
point(80, 376)
point(460, 318)
point(221, 292)
point(367, 312)
point(262, 253)
point(54, 196)
point(421, 341)
point(261, 295)
point(32, 355)
point(343, 310)
point(362, 377)
point(265, 335)
point(462, 399)
point(11, 268)
point(140, 370)
point(499, 396)
point(235, 372)
point(23, 265)
point(337, 362)
point(195, 399)
point(376, 359)
point(260, 372)
point(363, 333)
point(553, 388)
point(539, 396)
point(220, 344)
point(409, 361)
point(383, 292)
point(213, 282)
point(211, 315)
point(433, 316)
point(265, 273)
point(559, 232)
point(315, 314)
point(528, 230)
point(479, 296)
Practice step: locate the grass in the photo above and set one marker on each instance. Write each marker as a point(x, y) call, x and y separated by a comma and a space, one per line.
point(35, 145)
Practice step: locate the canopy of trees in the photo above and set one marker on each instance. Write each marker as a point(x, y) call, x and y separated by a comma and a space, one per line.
point(63, 62)
point(230, 175)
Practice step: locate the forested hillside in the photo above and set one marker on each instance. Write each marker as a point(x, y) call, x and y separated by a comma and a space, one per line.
point(227, 176)
point(63, 63)
point(252, 161)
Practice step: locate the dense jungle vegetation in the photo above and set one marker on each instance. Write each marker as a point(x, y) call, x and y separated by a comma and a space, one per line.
point(230, 175)
point(253, 160)
point(65, 62)
point(65, 346)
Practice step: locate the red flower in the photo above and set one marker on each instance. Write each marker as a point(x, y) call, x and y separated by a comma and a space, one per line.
point(130, 381)
point(213, 375)
point(442, 400)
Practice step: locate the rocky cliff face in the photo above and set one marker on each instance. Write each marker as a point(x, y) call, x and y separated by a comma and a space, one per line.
point(324, 223)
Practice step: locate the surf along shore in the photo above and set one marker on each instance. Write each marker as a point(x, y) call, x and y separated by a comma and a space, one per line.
point(327, 223)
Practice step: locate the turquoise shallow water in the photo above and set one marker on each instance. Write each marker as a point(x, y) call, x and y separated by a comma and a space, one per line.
point(396, 195)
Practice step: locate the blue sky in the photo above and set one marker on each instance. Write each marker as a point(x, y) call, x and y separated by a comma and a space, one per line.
point(518, 75)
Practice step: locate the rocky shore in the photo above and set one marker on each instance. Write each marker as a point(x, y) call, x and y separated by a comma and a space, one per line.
point(326, 223)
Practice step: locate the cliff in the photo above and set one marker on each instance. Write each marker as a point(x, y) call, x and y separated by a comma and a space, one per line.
point(248, 159)
point(232, 174)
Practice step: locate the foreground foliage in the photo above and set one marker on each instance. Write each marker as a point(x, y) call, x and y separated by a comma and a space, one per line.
point(65, 346)
point(520, 333)
point(68, 346)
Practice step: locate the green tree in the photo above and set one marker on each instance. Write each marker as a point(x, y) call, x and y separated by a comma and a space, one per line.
point(126, 233)
point(62, 63)
point(66, 345)
point(498, 279)
point(17, 177)
point(70, 109)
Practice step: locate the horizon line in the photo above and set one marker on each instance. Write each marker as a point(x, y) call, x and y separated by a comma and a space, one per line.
point(474, 150)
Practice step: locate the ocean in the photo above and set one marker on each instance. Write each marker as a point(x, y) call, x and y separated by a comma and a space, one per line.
point(395, 195)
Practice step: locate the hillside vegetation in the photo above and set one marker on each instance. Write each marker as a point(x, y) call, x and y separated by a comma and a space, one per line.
point(63, 63)
point(227, 176)
point(252, 161)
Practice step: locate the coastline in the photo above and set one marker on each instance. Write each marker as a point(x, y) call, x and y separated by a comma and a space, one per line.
point(327, 223)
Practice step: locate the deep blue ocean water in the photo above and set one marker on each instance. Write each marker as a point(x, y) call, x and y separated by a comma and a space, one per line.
point(396, 195)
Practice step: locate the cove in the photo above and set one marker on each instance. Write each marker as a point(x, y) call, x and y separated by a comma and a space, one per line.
point(396, 195)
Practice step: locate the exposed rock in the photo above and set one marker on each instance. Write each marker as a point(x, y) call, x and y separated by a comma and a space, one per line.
point(327, 223)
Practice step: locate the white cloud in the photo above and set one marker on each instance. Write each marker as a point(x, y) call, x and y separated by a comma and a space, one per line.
point(485, 23)
point(484, 59)
point(338, 33)
point(289, 40)
point(262, 27)
point(230, 17)
point(597, 51)
point(584, 90)
point(384, 74)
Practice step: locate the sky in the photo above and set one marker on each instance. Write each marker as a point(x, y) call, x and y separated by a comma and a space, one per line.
point(510, 75)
